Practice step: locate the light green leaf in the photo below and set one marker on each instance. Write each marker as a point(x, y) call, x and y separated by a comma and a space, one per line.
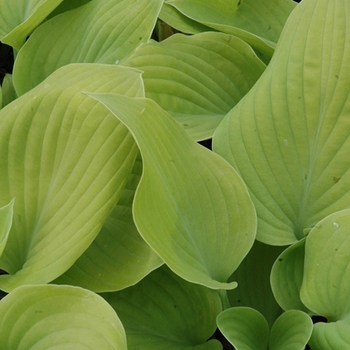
point(58, 317)
point(165, 312)
point(289, 140)
point(8, 90)
point(291, 331)
point(118, 257)
point(259, 23)
point(198, 78)
point(245, 328)
point(6, 214)
point(18, 18)
point(326, 284)
point(287, 276)
point(101, 31)
point(180, 22)
point(66, 161)
point(191, 206)
point(253, 278)
point(334, 335)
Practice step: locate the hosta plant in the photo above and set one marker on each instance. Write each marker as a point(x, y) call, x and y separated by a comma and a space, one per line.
point(120, 230)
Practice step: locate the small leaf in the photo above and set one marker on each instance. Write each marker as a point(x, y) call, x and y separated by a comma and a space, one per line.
point(289, 141)
point(245, 328)
point(18, 18)
point(66, 161)
point(60, 317)
point(191, 207)
point(291, 331)
point(165, 312)
point(199, 78)
point(253, 278)
point(101, 31)
point(287, 276)
point(6, 214)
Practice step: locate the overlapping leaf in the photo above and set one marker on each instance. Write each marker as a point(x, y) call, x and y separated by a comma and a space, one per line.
point(58, 317)
point(165, 312)
point(101, 31)
point(118, 257)
point(326, 284)
point(247, 329)
point(198, 78)
point(191, 207)
point(259, 23)
point(253, 278)
point(18, 18)
point(65, 160)
point(6, 214)
point(289, 137)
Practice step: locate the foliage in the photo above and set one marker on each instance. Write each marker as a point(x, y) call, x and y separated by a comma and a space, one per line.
point(118, 229)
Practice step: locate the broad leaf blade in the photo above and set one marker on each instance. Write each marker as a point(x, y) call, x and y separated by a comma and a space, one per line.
point(101, 31)
point(118, 257)
point(18, 18)
point(165, 312)
point(198, 79)
point(66, 161)
point(190, 206)
point(289, 140)
point(6, 214)
point(245, 328)
point(60, 317)
point(291, 331)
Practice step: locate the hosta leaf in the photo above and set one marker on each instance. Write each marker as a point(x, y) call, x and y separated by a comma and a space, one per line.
point(101, 31)
point(244, 327)
point(253, 278)
point(259, 23)
point(18, 18)
point(287, 276)
point(291, 331)
point(6, 214)
point(66, 161)
point(289, 140)
point(334, 335)
point(326, 283)
point(198, 78)
point(118, 257)
point(58, 317)
point(8, 90)
point(180, 22)
point(165, 312)
point(191, 206)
